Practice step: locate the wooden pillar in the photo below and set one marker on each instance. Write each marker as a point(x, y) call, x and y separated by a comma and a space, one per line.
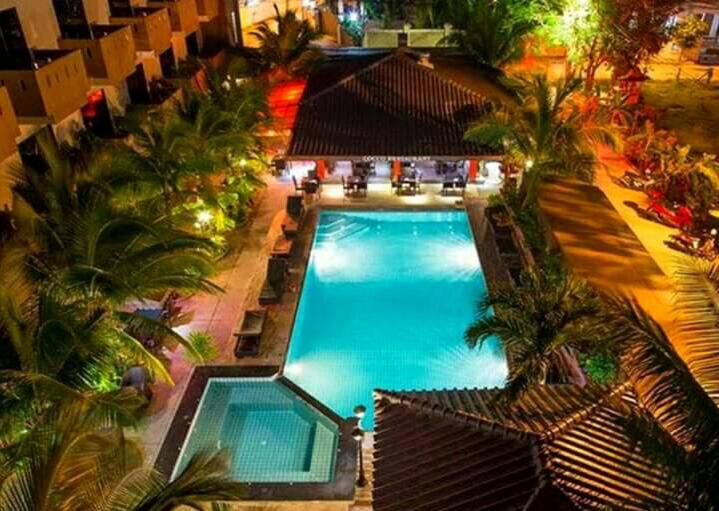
point(473, 168)
point(321, 169)
point(396, 168)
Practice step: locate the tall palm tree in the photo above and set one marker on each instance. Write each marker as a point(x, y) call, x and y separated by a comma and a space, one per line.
point(545, 131)
point(285, 44)
point(75, 462)
point(683, 433)
point(489, 32)
point(543, 322)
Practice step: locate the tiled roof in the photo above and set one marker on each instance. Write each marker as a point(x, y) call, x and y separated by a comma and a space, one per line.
point(390, 106)
point(560, 447)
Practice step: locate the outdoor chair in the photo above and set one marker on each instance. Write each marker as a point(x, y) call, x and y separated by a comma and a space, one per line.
point(250, 334)
point(362, 187)
point(346, 188)
point(282, 247)
point(298, 188)
point(462, 185)
point(396, 185)
point(274, 286)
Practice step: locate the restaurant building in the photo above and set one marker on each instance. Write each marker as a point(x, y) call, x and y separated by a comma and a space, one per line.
point(389, 110)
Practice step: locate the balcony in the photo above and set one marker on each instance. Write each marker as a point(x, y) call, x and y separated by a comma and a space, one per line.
point(183, 14)
point(48, 87)
point(150, 27)
point(208, 9)
point(8, 126)
point(108, 50)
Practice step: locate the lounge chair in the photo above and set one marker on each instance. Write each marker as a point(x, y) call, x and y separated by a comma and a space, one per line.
point(362, 187)
point(250, 334)
point(282, 247)
point(277, 269)
point(294, 215)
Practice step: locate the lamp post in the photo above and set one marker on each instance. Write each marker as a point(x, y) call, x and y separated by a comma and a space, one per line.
point(358, 435)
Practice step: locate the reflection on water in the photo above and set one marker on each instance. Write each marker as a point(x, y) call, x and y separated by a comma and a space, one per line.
point(386, 300)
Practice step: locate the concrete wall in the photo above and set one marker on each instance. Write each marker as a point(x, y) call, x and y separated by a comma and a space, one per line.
point(416, 38)
point(8, 125)
point(38, 21)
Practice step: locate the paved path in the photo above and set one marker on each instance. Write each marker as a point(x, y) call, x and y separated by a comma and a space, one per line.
point(241, 276)
point(607, 243)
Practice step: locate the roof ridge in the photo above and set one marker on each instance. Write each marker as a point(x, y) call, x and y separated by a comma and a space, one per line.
point(349, 77)
point(458, 416)
point(561, 426)
point(402, 55)
point(449, 81)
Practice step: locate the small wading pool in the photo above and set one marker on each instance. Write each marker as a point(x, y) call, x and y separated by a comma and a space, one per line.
point(272, 434)
point(386, 299)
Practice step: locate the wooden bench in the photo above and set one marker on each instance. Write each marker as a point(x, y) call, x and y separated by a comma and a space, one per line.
point(282, 247)
point(250, 334)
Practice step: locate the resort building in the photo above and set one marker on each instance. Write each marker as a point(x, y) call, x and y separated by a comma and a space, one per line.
point(246, 15)
point(708, 51)
point(68, 65)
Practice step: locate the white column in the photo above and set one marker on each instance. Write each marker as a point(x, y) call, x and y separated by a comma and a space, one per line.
point(715, 25)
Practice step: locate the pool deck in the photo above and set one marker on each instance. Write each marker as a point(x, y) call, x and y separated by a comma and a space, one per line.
point(242, 275)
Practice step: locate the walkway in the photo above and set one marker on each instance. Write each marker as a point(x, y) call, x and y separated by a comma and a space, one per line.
point(606, 242)
point(241, 276)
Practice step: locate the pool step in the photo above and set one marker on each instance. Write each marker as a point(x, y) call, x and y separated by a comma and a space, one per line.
point(341, 229)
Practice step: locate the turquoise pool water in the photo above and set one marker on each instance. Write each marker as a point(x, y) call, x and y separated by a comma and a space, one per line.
point(272, 434)
point(386, 299)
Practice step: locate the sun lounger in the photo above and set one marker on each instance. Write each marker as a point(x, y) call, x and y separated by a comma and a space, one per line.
point(282, 247)
point(277, 268)
point(294, 214)
point(250, 334)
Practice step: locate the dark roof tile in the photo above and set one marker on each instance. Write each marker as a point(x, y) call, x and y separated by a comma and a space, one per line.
point(571, 439)
point(390, 107)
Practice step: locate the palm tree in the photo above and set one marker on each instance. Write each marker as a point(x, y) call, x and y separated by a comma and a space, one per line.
point(683, 432)
point(545, 131)
point(158, 168)
point(76, 255)
point(489, 32)
point(287, 49)
point(74, 462)
point(543, 322)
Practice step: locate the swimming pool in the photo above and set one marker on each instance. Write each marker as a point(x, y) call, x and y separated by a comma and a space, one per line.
point(272, 434)
point(385, 302)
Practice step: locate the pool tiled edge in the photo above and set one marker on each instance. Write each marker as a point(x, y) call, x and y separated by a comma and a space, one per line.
point(340, 488)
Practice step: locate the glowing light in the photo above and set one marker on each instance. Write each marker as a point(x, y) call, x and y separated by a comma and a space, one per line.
point(294, 369)
point(530, 164)
point(354, 16)
point(204, 217)
point(243, 162)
